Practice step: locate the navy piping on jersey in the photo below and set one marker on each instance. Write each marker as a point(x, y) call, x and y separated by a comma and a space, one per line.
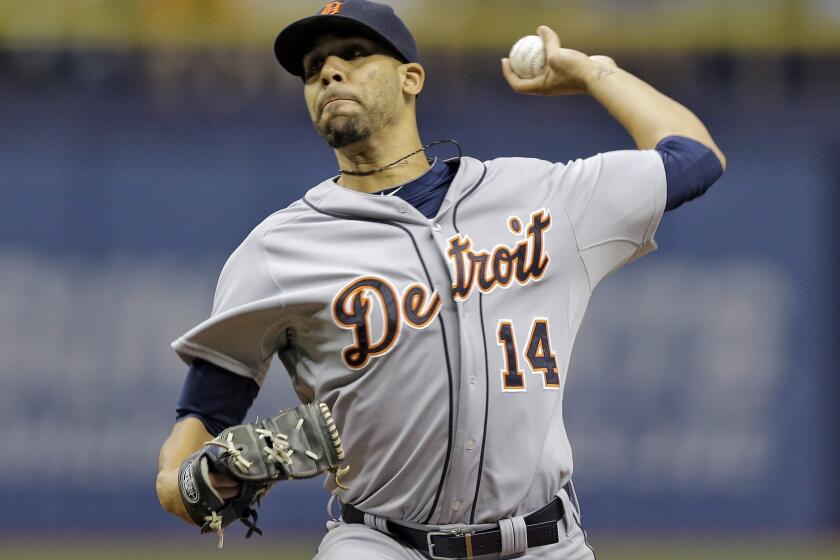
point(443, 336)
point(486, 407)
point(467, 195)
point(486, 359)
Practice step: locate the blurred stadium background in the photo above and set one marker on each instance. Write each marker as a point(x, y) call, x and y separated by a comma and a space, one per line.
point(140, 140)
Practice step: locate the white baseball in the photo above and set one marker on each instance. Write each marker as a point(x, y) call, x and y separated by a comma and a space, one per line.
point(527, 57)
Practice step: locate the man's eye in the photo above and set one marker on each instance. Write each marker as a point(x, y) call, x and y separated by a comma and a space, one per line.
point(350, 53)
point(355, 52)
point(313, 70)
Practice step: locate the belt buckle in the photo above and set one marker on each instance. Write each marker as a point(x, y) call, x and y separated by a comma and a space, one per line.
point(449, 533)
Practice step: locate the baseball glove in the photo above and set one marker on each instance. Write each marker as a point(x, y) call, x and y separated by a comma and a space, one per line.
point(299, 442)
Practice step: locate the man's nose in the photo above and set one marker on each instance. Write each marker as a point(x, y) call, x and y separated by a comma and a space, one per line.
point(333, 70)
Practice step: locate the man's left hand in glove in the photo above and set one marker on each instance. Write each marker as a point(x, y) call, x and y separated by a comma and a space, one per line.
point(225, 480)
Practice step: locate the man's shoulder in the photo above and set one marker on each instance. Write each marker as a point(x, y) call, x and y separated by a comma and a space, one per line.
point(293, 214)
point(518, 164)
point(290, 213)
point(294, 218)
point(525, 166)
point(506, 171)
point(516, 161)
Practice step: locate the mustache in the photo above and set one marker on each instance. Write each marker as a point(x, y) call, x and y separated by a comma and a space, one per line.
point(333, 95)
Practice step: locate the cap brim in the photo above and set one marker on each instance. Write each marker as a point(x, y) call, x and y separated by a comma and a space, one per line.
point(297, 38)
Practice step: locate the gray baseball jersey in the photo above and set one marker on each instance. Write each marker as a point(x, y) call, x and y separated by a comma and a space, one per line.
point(441, 345)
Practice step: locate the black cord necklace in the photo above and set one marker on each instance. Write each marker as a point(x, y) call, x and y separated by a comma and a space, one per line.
point(383, 168)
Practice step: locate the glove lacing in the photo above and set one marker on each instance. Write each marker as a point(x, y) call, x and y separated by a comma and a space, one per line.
point(279, 450)
point(232, 451)
point(213, 522)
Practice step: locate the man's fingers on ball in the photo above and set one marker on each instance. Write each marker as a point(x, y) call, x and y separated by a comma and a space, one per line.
point(519, 85)
point(509, 74)
point(549, 37)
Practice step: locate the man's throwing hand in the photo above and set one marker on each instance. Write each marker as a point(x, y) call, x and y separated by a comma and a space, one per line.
point(567, 71)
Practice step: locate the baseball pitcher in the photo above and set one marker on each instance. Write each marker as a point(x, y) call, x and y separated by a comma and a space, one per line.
point(425, 310)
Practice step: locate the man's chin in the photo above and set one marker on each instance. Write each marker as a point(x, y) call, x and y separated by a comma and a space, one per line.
point(341, 138)
point(340, 131)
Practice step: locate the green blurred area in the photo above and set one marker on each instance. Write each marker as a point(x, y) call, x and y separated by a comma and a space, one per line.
point(743, 25)
point(612, 548)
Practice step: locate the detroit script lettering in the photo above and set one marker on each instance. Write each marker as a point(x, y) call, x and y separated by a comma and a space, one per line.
point(416, 308)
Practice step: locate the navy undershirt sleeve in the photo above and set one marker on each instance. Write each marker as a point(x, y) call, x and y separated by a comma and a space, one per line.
point(216, 396)
point(690, 169)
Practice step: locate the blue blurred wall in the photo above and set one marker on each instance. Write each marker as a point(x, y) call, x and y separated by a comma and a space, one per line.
point(703, 391)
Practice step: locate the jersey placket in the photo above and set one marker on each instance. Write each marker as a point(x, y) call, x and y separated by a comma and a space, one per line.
point(430, 242)
point(469, 397)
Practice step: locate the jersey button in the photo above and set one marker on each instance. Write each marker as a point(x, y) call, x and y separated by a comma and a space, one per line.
point(401, 208)
point(456, 505)
point(436, 227)
point(470, 445)
point(473, 380)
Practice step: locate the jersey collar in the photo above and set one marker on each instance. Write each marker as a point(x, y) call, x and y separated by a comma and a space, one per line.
point(332, 197)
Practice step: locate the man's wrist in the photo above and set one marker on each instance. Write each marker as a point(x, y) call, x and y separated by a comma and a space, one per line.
point(169, 494)
point(599, 69)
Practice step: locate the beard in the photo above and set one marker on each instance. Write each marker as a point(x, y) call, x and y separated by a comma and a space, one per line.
point(341, 131)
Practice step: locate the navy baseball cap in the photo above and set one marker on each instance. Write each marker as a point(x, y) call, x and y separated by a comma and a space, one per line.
point(355, 17)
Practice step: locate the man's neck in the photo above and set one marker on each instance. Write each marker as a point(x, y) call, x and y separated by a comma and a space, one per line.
point(369, 158)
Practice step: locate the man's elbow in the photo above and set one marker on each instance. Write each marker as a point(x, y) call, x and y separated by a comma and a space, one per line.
point(719, 153)
point(703, 137)
point(697, 133)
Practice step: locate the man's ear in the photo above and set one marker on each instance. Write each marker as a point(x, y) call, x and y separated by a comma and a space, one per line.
point(413, 77)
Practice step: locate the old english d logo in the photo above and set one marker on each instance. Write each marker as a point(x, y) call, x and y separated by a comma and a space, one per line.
point(331, 9)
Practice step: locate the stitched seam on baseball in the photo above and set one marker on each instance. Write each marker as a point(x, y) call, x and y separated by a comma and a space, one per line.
point(532, 62)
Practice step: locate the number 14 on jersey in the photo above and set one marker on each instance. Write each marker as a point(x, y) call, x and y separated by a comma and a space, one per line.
point(537, 352)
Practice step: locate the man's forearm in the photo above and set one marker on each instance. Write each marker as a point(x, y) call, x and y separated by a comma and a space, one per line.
point(648, 115)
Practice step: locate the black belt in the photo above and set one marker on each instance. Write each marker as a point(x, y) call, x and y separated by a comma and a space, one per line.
point(541, 529)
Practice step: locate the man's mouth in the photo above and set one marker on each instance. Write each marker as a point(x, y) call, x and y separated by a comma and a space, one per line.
point(335, 102)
